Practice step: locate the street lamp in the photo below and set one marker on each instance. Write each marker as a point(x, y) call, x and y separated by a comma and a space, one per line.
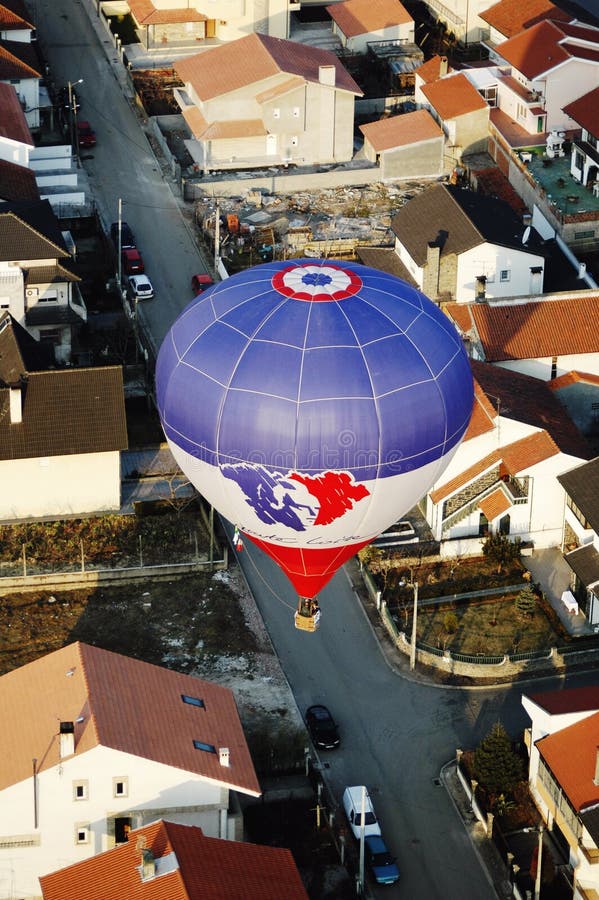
point(73, 115)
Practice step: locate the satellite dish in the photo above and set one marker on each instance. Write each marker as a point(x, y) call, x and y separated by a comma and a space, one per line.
point(526, 235)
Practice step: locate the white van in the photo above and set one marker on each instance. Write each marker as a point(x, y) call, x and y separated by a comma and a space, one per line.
point(352, 804)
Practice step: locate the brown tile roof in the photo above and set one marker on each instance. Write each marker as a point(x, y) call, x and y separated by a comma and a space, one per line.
point(17, 182)
point(568, 700)
point(31, 231)
point(385, 260)
point(145, 13)
point(585, 111)
point(579, 52)
point(453, 96)
point(13, 124)
point(582, 484)
point(571, 754)
point(356, 17)
point(49, 274)
point(280, 90)
point(537, 329)
point(400, 131)
point(127, 705)
point(12, 365)
point(195, 120)
point(195, 867)
point(255, 58)
point(513, 459)
point(531, 401)
point(510, 17)
point(431, 69)
point(234, 129)
point(514, 135)
point(536, 50)
point(18, 59)
point(14, 16)
point(495, 504)
point(66, 412)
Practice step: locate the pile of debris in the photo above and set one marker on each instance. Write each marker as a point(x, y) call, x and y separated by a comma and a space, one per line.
point(328, 223)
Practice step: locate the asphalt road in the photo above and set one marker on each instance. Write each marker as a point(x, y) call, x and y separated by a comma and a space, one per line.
point(122, 164)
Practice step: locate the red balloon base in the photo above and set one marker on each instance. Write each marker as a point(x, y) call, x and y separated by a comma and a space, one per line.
point(309, 569)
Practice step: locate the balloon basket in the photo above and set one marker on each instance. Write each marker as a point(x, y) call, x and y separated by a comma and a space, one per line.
point(307, 614)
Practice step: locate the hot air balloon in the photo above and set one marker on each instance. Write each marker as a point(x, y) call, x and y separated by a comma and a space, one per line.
point(313, 403)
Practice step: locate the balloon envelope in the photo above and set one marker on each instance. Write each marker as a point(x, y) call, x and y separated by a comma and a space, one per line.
point(313, 403)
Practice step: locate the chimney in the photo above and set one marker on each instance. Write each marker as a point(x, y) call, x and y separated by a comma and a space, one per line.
point(582, 269)
point(223, 756)
point(481, 287)
point(430, 281)
point(67, 739)
point(148, 864)
point(16, 405)
point(596, 778)
point(326, 75)
point(527, 219)
point(442, 66)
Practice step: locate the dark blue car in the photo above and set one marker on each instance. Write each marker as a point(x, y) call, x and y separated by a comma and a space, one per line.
point(379, 860)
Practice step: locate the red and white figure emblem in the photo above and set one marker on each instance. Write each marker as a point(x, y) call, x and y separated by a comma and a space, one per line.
point(317, 283)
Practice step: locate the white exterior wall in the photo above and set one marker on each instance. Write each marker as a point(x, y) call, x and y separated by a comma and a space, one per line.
point(417, 272)
point(542, 724)
point(12, 291)
point(491, 259)
point(564, 84)
point(22, 35)
point(60, 485)
point(15, 152)
point(236, 18)
point(359, 43)
point(153, 790)
point(28, 93)
point(541, 366)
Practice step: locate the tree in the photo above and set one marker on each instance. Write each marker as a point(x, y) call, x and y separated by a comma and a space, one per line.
point(526, 602)
point(499, 549)
point(496, 766)
point(450, 622)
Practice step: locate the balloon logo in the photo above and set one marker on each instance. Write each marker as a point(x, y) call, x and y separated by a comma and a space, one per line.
point(313, 403)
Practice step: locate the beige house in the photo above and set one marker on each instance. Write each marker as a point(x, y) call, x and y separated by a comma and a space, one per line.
point(407, 146)
point(262, 101)
point(359, 22)
point(461, 112)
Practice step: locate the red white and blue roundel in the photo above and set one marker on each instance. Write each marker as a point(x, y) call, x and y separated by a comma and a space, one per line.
point(313, 403)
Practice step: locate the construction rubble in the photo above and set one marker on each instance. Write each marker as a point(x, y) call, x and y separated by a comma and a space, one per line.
point(320, 224)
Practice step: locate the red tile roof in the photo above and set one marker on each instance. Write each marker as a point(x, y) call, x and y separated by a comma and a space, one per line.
point(510, 17)
point(572, 377)
point(431, 69)
point(13, 124)
point(356, 17)
point(514, 459)
point(188, 866)
point(18, 59)
point(585, 111)
point(401, 131)
point(571, 754)
point(536, 50)
point(14, 16)
point(483, 414)
point(495, 504)
point(453, 96)
point(112, 694)
point(145, 13)
point(568, 700)
point(17, 182)
point(218, 71)
point(537, 329)
point(491, 182)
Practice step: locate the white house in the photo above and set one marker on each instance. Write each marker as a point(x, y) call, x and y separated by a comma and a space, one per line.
point(460, 245)
point(95, 744)
point(584, 162)
point(61, 433)
point(15, 23)
point(581, 535)
point(507, 18)
point(406, 146)
point(460, 110)
point(503, 477)
point(360, 22)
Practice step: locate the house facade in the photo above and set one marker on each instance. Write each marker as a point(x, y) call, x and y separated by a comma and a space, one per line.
point(581, 535)
point(461, 112)
point(584, 165)
point(460, 245)
point(294, 105)
point(406, 146)
point(116, 744)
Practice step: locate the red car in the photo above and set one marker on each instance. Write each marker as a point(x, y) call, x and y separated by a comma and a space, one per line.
point(132, 262)
point(199, 283)
point(86, 135)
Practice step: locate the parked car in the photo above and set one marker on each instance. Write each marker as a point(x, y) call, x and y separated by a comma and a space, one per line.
point(132, 262)
point(379, 860)
point(352, 804)
point(322, 727)
point(199, 283)
point(127, 238)
point(141, 287)
point(86, 135)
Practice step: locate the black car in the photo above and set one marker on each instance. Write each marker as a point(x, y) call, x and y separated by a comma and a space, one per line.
point(322, 727)
point(127, 238)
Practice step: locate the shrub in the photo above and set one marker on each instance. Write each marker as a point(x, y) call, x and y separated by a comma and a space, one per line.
point(450, 622)
point(526, 602)
point(497, 767)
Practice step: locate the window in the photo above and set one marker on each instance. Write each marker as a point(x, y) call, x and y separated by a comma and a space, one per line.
point(82, 833)
point(208, 748)
point(504, 275)
point(296, 112)
point(80, 790)
point(276, 113)
point(583, 235)
point(120, 786)
point(553, 367)
point(294, 141)
point(193, 701)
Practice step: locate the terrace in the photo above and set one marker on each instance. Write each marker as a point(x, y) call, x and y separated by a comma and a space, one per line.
point(564, 194)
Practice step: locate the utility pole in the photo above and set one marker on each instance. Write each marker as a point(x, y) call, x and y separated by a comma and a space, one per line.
point(414, 622)
point(73, 114)
point(362, 830)
point(216, 235)
point(119, 244)
point(539, 861)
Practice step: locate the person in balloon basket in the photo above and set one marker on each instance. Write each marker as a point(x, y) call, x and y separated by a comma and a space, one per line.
point(309, 608)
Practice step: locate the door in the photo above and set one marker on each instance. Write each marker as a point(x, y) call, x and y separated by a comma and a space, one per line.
point(271, 144)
